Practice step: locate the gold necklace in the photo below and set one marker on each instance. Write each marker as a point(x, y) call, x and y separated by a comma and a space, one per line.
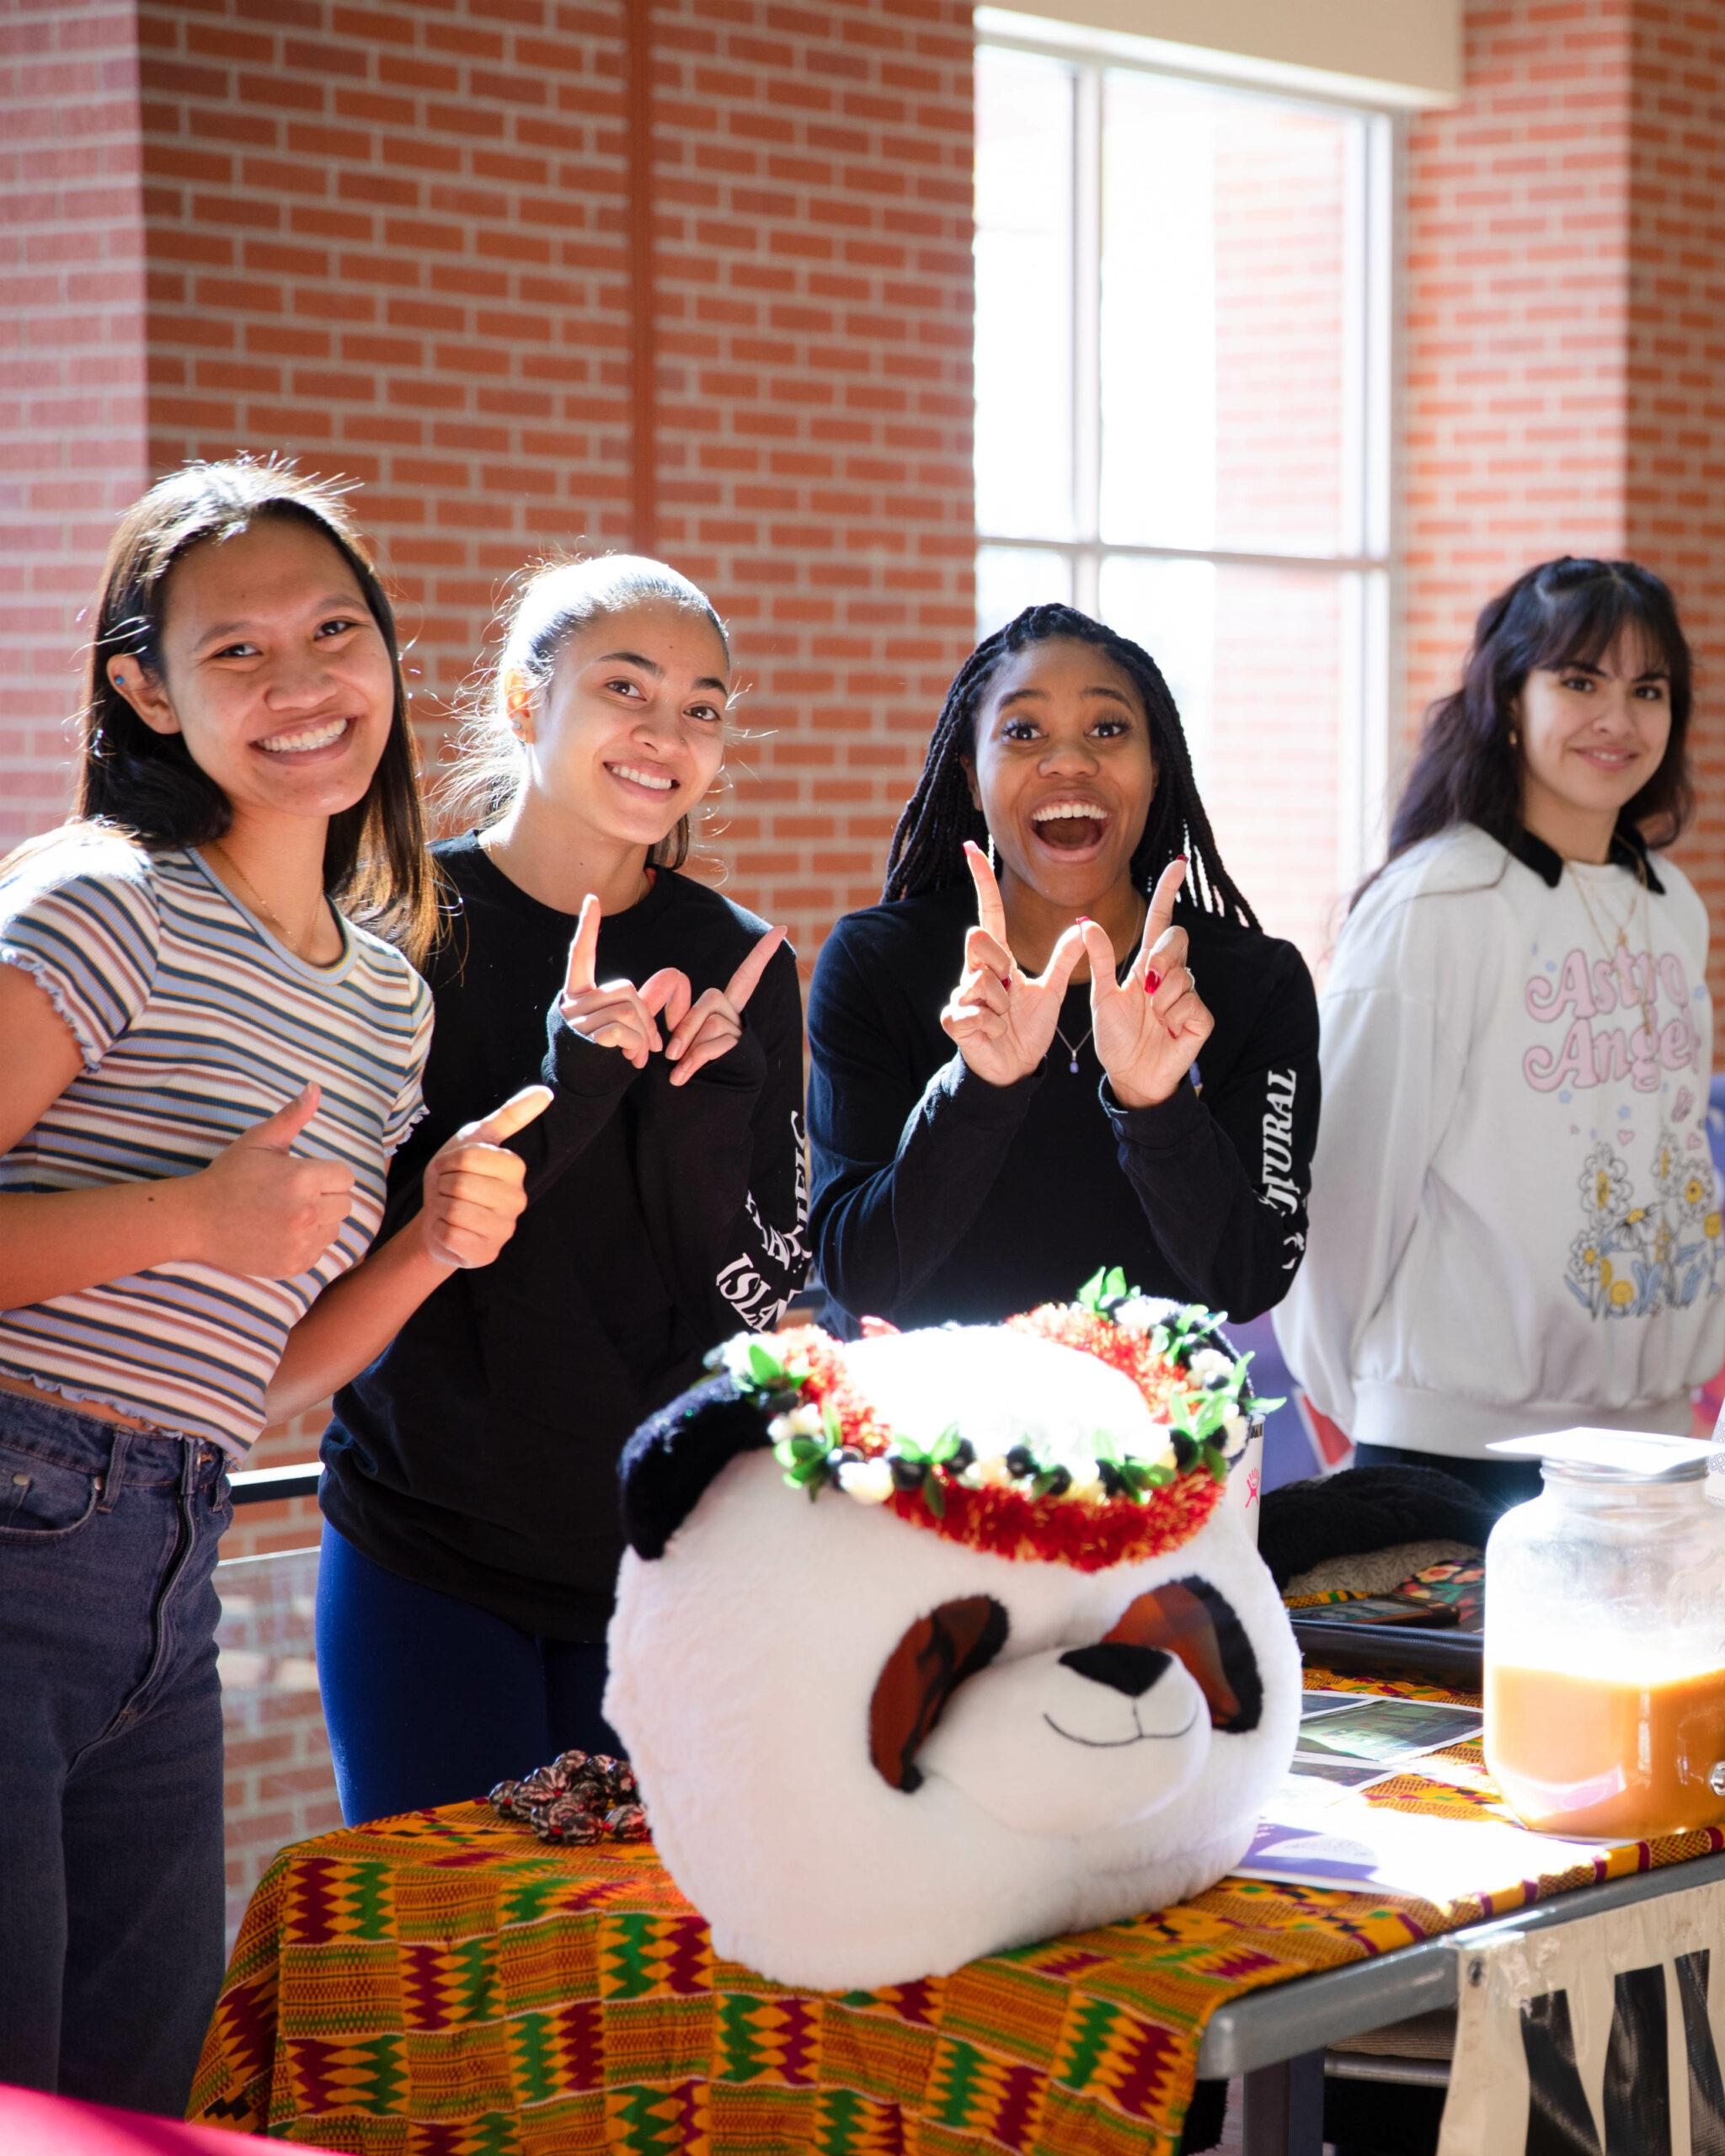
point(1620, 946)
point(296, 944)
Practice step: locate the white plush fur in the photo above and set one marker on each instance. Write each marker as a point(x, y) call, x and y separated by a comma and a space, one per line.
point(743, 1660)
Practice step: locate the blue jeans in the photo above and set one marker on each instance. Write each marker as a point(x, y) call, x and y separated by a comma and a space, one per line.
point(431, 1700)
point(111, 1887)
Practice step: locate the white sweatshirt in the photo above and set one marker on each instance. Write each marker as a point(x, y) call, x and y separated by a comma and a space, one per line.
point(1514, 1221)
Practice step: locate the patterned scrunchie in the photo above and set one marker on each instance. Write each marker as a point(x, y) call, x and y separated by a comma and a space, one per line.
point(580, 1798)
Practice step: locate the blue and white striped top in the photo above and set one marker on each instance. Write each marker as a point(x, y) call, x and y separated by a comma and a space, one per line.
point(194, 1023)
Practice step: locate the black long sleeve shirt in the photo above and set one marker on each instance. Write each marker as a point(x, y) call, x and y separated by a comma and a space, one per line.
point(477, 1455)
point(938, 1196)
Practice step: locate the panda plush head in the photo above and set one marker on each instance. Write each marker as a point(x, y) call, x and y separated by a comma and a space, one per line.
point(942, 1642)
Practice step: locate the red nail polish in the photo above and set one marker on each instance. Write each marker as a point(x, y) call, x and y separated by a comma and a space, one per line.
point(1153, 980)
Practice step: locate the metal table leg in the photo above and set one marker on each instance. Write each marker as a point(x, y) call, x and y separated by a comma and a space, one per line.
point(1284, 2108)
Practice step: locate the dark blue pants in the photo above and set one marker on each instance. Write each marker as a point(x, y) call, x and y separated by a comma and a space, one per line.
point(111, 1886)
point(431, 1700)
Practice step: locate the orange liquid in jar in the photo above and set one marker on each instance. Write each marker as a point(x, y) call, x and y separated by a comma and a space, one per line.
point(1606, 1758)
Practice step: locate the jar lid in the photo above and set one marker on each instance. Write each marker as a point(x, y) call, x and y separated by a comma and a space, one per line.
point(1589, 1455)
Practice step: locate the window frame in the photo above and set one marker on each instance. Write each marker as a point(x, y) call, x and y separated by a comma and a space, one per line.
point(1369, 575)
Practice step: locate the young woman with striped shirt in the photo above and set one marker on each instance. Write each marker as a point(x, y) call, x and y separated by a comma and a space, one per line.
point(213, 1044)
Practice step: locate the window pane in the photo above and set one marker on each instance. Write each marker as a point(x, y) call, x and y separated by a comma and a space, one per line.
point(1010, 578)
point(1025, 298)
point(1263, 667)
point(1229, 397)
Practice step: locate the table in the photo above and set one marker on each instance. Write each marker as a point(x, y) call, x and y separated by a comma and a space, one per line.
point(442, 1984)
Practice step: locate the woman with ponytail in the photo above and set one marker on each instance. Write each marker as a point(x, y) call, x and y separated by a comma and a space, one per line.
point(1016, 1075)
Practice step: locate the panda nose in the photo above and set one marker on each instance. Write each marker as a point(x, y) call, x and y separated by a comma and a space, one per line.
point(1128, 1669)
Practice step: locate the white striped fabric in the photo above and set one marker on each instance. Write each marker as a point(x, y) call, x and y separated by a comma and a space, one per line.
point(194, 1023)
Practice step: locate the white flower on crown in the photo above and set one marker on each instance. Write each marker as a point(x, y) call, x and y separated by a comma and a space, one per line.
point(734, 1354)
point(1144, 1313)
point(1208, 1363)
point(990, 1472)
point(1086, 1479)
point(869, 1481)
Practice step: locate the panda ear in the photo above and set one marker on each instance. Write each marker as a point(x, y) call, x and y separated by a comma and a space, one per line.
point(668, 1462)
point(934, 1655)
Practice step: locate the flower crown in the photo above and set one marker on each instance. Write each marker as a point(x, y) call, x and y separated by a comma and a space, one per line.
point(1091, 1508)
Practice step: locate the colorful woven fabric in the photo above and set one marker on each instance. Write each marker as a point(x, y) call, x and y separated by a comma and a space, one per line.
point(441, 1984)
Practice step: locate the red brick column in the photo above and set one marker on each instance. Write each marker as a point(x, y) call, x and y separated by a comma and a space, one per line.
point(72, 363)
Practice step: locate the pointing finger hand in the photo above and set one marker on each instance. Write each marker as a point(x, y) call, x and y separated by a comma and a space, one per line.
point(991, 909)
point(583, 952)
point(517, 1111)
point(1161, 916)
point(746, 978)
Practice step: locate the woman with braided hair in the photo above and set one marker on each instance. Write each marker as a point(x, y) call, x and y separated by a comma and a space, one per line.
point(1015, 1076)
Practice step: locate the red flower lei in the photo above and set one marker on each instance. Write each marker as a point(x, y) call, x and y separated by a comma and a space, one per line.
point(1088, 1535)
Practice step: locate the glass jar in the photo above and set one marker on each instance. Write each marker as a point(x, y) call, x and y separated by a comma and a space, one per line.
point(1604, 1654)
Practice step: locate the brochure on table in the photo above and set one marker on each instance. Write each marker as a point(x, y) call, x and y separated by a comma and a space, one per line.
point(1319, 1831)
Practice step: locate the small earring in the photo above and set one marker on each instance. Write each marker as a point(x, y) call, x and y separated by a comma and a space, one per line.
point(992, 861)
point(1514, 739)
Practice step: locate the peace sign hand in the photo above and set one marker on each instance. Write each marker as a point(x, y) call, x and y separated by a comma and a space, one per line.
point(1150, 1028)
point(713, 1024)
point(1001, 1018)
point(615, 1014)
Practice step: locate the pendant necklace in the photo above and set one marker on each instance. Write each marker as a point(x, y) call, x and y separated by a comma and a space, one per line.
point(1618, 947)
point(1075, 1049)
point(1071, 1049)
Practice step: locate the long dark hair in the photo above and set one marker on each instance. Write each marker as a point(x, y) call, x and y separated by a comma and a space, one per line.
point(1564, 613)
point(926, 851)
point(375, 862)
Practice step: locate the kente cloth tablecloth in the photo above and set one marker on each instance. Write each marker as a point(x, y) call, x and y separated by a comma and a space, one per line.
point(442, 1984)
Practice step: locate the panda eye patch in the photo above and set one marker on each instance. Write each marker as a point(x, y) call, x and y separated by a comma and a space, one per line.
point(1189, 1619)
point(934, 1657)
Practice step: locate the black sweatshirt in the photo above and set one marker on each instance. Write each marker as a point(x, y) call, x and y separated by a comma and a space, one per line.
point(477, 1455)
point(938, 1196)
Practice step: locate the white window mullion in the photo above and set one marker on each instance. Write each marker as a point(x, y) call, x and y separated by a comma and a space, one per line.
point(1086, 333)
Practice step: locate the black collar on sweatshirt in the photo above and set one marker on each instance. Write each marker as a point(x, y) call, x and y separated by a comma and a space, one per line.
point(1629, 850)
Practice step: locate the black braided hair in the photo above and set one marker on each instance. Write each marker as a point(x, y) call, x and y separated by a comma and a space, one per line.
point(927, 847)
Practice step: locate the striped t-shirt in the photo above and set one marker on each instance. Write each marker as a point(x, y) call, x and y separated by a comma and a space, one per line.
point(194, 1023)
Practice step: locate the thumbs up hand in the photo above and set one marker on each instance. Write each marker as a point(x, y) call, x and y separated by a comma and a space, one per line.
point(474, 1189)
point(261, 1210)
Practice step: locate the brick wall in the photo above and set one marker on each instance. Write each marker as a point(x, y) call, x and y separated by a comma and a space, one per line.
point(813, 279)
point(1565, 326)
point(72, 451)
point(1516, 363)
point(1675, 488)
point(391, 241)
